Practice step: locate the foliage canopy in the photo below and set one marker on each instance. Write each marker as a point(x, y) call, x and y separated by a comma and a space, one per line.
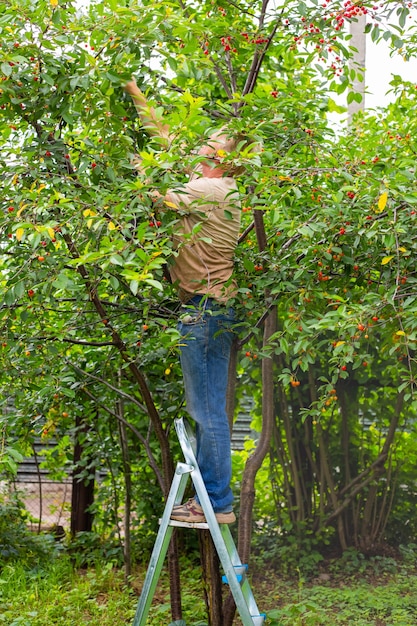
point(87, 317)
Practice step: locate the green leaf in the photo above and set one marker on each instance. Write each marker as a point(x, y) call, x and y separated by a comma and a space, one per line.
point(116, 259)
point(6, 69)
point(333, 107)
point(134, 286)
point(61, 281)
point(19, 289)
point(404, 12)
point(154, 283)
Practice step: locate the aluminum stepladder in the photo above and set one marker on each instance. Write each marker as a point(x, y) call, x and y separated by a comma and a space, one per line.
point(234, 570)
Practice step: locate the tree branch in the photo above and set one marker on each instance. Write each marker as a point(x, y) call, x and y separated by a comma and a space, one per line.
point(151, 409)
point(144, 441)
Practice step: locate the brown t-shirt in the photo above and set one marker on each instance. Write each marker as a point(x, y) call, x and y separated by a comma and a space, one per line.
point(206, 237)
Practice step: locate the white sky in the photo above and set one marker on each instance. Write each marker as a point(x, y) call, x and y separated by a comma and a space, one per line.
point(380, 68)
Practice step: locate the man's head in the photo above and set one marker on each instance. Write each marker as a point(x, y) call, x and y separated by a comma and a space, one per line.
point(220, 149)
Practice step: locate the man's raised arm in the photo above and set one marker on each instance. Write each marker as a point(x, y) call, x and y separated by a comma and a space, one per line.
point(152, 123)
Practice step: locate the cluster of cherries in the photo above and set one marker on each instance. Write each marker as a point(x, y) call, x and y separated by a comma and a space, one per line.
point(228, 46)
point(351, 9)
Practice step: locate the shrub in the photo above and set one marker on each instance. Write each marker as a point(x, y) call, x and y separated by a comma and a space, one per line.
point(17, 542)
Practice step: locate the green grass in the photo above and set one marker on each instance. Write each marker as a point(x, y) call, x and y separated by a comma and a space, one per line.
point(360, 603)
point(60, 594)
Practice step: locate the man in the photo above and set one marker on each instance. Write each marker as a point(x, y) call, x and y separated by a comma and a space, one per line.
point(202, 271)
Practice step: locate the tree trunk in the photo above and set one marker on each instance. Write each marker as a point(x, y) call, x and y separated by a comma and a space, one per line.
point(231, 383)
point(212, 581)
point(127, 475)
point(373, 513)
point(254, 462)
point(357, 64)
point(82, 490)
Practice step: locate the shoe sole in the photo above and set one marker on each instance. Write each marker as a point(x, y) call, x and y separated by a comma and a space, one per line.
point(222, 518)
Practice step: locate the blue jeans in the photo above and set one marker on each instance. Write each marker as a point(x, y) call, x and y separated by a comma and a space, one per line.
point(207, 336)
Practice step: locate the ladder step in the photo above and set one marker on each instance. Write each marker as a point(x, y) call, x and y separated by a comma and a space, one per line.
point(259, 620)
point(178, 524)
point(240, 571)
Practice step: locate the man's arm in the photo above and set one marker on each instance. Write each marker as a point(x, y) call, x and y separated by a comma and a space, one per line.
point(151, 122)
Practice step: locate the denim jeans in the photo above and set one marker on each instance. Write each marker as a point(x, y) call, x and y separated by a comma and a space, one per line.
point(207, 336)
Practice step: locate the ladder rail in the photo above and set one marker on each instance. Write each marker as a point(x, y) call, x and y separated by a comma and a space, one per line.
point(239, 569)
point(221, 535)
point(161, 544)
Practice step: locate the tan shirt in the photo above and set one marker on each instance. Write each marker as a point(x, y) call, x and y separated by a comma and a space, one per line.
point(206, 238)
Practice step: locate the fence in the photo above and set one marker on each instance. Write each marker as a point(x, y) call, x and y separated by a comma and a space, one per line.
point(47, 501)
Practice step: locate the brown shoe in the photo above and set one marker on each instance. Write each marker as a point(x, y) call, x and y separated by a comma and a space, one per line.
point(191, 511)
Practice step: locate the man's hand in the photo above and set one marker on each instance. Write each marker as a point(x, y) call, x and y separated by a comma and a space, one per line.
point(165, 201)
